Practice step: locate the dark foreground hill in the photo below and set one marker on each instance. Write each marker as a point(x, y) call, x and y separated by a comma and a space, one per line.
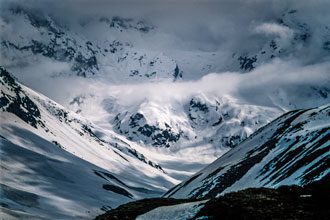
point(311, 201)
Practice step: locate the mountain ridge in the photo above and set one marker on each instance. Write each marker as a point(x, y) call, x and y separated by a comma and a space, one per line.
point(54, 157)
point(292, 149)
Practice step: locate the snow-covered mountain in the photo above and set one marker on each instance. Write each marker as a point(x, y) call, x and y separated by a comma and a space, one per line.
point(115, 55)
point(187, 134)
point(56, 164)
point(222, 121)
point(118, 50)
point(125, 50)
point(293, 149)
point(146, 101)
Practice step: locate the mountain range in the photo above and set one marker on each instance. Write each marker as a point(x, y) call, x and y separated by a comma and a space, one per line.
point(104, 110)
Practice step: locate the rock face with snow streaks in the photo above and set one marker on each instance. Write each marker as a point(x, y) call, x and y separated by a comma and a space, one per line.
point(56, 164)
point(293, 149)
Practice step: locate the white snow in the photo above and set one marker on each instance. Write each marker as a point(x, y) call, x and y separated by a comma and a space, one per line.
point(56, 165)
point(312, 121)
point(178, 212)
point(135, 74)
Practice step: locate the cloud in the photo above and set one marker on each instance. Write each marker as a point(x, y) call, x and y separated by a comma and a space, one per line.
point(259, 87)
point(299, 84)
point(167, 92)
point(273, 29)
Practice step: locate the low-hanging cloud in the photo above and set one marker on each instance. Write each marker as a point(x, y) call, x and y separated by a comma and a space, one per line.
point(284, 33)
point(274, 29)
point(256, 87)
point(294, 80)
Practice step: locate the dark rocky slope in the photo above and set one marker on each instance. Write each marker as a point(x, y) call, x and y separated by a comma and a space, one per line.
point(286, 202)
